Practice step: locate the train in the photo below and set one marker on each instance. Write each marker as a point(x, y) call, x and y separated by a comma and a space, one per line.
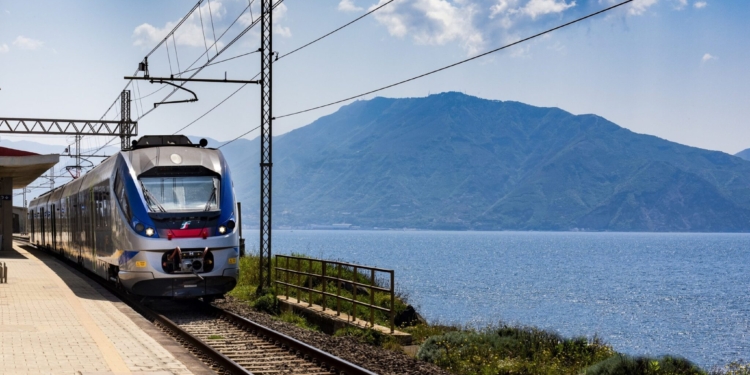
point(158, 219)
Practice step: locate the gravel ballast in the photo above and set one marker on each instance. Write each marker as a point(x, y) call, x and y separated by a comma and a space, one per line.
point(375, 359)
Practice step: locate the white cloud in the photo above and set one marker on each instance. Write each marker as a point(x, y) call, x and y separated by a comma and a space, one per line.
point(681, 4)
point(700, 4)
point(278, 14)
point(348, 6)
point(23, 42)
point(639, 7)
point(708, 57)
point(433, 22)
point(189, 34)
point(4, 48)
point(536, 8)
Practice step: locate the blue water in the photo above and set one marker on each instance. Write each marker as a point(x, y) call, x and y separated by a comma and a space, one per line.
point(682, 294)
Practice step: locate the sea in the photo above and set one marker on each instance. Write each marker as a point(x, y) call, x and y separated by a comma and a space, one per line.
point(643, 293)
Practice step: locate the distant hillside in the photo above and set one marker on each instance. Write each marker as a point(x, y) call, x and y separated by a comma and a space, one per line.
point(745, 154)
point(451, 161)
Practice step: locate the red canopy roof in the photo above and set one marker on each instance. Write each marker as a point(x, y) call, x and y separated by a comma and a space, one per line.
point(4, 151)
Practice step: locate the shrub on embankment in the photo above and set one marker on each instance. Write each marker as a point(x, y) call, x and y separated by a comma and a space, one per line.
point(512, 350)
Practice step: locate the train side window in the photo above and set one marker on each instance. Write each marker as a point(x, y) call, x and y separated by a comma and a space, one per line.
point(122, 196)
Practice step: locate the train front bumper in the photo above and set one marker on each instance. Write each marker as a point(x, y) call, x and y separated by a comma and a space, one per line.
point(179, 287)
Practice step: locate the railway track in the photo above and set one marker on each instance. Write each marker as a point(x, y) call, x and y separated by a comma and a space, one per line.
point(229, 343)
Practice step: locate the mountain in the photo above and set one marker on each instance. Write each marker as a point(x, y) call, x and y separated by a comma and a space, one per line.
point(452, 161)
point(745, 154)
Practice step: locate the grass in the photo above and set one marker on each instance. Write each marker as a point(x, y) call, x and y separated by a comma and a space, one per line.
point(215, 337)
point(297, 320)
point(511, 350)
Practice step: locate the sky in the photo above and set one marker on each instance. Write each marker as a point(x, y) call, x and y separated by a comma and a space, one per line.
point(676, 69)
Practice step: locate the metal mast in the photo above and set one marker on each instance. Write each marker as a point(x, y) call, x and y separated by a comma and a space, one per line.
point(125, 131)
point(266, 52)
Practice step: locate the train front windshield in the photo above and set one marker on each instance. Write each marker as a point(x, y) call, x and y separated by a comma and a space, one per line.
point(181, 194)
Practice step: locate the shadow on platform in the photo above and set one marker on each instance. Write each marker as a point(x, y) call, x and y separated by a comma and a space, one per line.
point(11, 254)
point(72, 277)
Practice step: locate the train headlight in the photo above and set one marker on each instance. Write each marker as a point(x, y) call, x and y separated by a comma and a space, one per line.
point(230, 224)
point(149, 232)
point(222, 229)
point(139, 227)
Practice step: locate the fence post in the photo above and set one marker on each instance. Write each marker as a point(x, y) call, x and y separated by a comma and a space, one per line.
point(325, 281)
point(393, 300)
point(338, 291)
point(287, 278)
point(299, 269)
point(372, 298)
point(354, 293)
point(309, 283)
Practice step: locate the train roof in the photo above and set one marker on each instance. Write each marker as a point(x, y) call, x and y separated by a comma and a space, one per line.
point(165, 140)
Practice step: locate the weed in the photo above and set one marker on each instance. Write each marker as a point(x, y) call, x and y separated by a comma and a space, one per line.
point(366, 336)
point(297, 320)
point(215, 337)
point(511, 350)
point(626, 365)
point(267, 303)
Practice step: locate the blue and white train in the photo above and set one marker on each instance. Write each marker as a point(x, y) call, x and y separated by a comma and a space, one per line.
point(158, 219)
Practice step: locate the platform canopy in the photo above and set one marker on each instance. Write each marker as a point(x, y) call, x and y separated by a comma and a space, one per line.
point(23, 166)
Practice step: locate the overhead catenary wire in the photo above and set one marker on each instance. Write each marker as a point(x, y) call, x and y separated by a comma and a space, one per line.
point(117, 99)
point(177, 26)
point(210, 110)
point(236, 38)
point(284, 55)
point(242, 135)
point(459, 62)
point(199, 57)
point(220, 61)
point(213, 30)
point(337, 29)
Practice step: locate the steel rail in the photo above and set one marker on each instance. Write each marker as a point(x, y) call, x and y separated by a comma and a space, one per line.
point(338, 365)
point(221, 360)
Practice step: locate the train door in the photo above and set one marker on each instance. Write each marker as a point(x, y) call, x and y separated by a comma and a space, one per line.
point(53, 227)
point(42, 231)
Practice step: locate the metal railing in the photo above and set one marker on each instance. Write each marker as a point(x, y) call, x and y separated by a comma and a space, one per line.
point(3, 273)
point(291, 276)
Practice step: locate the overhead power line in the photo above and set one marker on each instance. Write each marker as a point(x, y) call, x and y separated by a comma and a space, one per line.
point(197, 70)
point(244, 134)
point(459, 62)
point(338, 29)
point(210, 110)
point(175, 27)
point(236, 38)
point(282, 56)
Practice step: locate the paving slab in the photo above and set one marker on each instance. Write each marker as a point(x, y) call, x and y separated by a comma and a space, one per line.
point(53, 320)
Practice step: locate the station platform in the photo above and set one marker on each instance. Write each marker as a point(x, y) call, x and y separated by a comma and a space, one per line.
point(56, 321)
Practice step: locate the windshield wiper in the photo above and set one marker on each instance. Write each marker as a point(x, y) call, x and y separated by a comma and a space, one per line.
point(210, 199)
point(151, 200)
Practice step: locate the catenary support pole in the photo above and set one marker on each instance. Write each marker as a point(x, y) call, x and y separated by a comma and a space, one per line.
point(266, 161)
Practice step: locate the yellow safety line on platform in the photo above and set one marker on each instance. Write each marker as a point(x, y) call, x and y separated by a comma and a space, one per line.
point(109, 352)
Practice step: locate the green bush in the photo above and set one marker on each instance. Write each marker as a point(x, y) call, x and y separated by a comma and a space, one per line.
point(511, 350)
point(367, 336)
point(733, 368)
point(267, 303)
point(627, 365)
